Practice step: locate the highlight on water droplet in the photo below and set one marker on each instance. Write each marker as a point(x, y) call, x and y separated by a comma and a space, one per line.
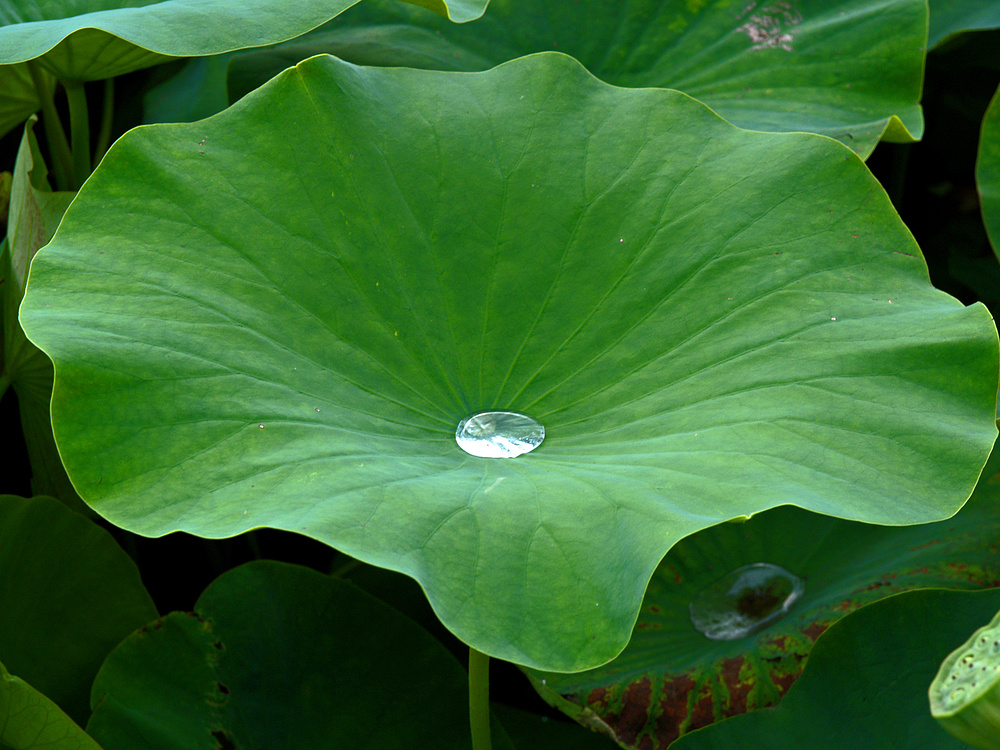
point(745, 601)
point(499, 434)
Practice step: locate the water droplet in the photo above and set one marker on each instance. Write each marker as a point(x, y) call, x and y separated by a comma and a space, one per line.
point(745, 601)
point(499, 434)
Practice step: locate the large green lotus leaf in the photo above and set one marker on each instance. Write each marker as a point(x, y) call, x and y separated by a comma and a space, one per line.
point(804, 65)
point(866, 681)
point(86, 40)
point(33, 215)
point(949, 17)
point(280, 656)
point(68, 595)
point(672, 679)
point(30, 721)
point(279, 315)
point(988, 171)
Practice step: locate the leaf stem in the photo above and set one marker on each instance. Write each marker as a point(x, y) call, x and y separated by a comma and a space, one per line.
point(107, 116)
point(59, 153)
point(79, 124)
point(479, 699)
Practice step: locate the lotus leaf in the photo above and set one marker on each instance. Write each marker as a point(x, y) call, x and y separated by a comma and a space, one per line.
point(280, 656)
point(68, 595)
point(786, 65)
point(671, 679)
point(30, 721)
point(87, 40)
point(867, 678)
point(33, 215)
point(988, 171)
point(279, 315)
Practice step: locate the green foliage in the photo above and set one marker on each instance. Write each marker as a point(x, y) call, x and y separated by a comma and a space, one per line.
point(556, 268)
point(69, 594)
point(33, 212)
point(276, 655)
point(988, 171)
point(965, 694)
point(689, 681)
point(631, 221)
point(32, 721)
point(815, 66)
point(866, 678)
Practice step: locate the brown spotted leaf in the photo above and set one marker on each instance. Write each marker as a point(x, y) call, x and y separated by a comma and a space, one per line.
point(671, 679)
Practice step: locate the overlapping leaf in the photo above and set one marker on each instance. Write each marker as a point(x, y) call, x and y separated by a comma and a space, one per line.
point(87, 40)
point(950, 17)
point(33, 215)
point(30, 721)
point(456, 10)
point(867, 678)
point(278, 316)
point(671, 679)
point(988, 171)
point(68, 595)
point(276, 655)
point(786, 65)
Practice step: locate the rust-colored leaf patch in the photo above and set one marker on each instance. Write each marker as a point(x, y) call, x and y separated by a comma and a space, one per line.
point(671, 679)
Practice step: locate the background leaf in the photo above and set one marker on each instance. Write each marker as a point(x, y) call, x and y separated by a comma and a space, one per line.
point(742, 325)
point(33, 215)
point(806, 65)
point(277, 655)
point(988, 171)
point(30, 721)
point(456, 10)
point(955, 16)
point(68, 595)
point(88, 40)
point(868, 678)
point(20, 96)
point(671, 679)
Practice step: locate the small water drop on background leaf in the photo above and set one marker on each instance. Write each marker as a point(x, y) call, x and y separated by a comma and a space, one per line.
point(744, 601)
point(499, 434)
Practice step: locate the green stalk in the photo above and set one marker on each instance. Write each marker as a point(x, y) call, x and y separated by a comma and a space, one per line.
point(79, 124)
point(479, 699)
point(60, 155)
point(107, 115)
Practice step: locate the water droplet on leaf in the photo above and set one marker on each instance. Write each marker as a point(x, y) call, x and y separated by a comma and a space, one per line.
point(499, 434)
point(745, 601)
